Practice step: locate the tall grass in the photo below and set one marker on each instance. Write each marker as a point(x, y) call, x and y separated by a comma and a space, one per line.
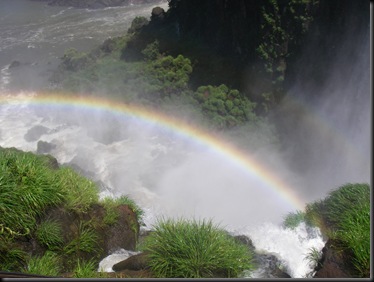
point(85, 269)
point(345, 214)
point(27, 187)
point(195, 249)
point(85, 241)
point(80, 192)
point(48, 264)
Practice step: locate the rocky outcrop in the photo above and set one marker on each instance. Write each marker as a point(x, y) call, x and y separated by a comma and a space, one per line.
point(35, 133)
point(43, 147)
point(135, 262)
point(333, 263)
point(97, 4)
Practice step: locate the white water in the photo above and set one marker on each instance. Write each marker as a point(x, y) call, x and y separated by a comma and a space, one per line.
point(162, 172)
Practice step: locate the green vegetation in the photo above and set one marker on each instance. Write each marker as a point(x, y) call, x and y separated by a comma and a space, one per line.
point(80, 192)
point(313, 257)
point(225, 107)
point(292, 220)
point(112, 213)
point(49, 233)
point(345, 216)
point(52, 207)
point(85, 269)
point(85, 241)
point(48, 264)
point(28, 186)
point(191, 249)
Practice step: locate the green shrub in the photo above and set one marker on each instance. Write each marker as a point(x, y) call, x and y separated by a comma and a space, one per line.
point(225, 107)
point(48, 265)
point(49, 233)
point(192, 249)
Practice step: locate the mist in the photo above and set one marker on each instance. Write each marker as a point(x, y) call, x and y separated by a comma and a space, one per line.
point(324, 129)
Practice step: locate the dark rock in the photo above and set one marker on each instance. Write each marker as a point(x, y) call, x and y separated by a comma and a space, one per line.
point(334, 263)
point(14, 64)
point(158, 14)
point(135, 262)
point(246, 241)
point(270, 265)
point(35, 133)
point(123, 234)
point(43, 147)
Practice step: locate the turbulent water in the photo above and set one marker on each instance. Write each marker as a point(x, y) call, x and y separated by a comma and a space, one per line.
point(165, 173)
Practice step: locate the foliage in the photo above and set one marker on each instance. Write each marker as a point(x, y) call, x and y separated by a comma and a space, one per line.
point(85, 269)
point(47, 265)
point(345, 213)
point(86, 241)
point(80, 192)
point(225, 107)
point(112, 214)
point(195, 249)
point(11, 259)
point(137, 24)
point(27, 187)
point(168, 75)
point(49, 233)
point(151, 51)
point(282, 24)
point(72, 60)
point(313, 257)
point(292, 220)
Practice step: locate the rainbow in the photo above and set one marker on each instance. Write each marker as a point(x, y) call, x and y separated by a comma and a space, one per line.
point(201, 137)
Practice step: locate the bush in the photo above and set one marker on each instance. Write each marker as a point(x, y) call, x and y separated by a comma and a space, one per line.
point(192, 249)
point(225, 107)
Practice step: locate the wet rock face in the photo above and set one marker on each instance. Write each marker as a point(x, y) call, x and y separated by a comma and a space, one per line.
point(333, 263)
point(44, 147)
point(135, 262)
point(123, 234)
point(35, 133)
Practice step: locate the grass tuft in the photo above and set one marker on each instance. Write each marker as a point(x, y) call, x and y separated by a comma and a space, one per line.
point(195, 249)
point(48, 264)
point(49, 233)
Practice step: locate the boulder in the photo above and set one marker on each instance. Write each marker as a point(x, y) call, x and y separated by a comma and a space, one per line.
point(135, 262)
point(43, 147)
point(123, 234)
point(333, 263)
point(35, 133)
